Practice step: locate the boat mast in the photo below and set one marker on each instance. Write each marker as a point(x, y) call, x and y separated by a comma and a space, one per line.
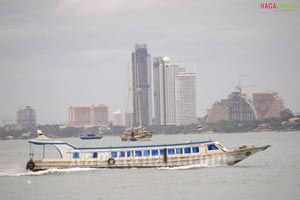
point(138, 89)
point(129, 97)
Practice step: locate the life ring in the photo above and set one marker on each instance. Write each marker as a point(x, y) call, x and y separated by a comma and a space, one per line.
point(111, 161)
point(248, 153)
point(30, 165)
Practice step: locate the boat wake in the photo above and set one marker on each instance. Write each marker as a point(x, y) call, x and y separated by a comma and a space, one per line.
point(184, 167)
point(23, 172)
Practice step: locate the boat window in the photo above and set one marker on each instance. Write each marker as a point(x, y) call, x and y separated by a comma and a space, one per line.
point(114, 154)
point(138, 153)
point(146, 152)
point(122, 154)
point(129, 153)
point(161, 152)
point(212, 147)
point(179, 151)
point(154, 152)
point(95, 155)
point(187, 150)
point(76, 155)
point(195, 149)
point(170, 151)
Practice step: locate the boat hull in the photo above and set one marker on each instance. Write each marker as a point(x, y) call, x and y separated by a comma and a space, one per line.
point(137, 138)
point(90, 137)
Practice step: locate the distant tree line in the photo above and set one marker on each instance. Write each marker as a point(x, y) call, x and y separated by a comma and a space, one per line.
point(225, 127)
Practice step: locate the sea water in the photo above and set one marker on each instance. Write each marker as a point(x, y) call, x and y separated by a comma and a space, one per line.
point(271, 174)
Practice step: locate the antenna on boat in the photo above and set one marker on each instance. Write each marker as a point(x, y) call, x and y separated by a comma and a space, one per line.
point(129, 97)
point(207, 135)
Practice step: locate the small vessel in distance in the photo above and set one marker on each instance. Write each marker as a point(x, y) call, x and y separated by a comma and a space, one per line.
point(90, 137)
point(136, 134)
point(201, 154)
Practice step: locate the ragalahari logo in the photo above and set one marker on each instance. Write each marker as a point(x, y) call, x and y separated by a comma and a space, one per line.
point(277, 6)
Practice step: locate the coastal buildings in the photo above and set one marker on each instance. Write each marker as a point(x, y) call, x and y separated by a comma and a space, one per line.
point(26, 118)
point(173, 89)
point(159, 97)
point(88, 116)
point(121, 118)
point(164, 78)
point(268, 104)
point(240, 107)
point(218, 112)
point(236, 107)
point(141, 84)
point(186, 98)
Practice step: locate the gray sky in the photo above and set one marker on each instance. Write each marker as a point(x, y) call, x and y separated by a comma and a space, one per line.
point(56, 53)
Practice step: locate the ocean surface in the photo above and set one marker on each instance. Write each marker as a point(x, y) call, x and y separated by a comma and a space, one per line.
point(269, 175)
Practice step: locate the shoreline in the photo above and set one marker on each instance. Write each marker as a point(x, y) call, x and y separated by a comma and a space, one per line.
point(165, 134)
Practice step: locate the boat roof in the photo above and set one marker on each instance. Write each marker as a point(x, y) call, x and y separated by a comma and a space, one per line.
point(50, 142)
point(55, 142)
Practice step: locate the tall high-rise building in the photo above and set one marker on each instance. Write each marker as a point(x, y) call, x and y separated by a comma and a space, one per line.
point(186, 98)
point(26, 118)
point(141, 84)
point(88, 116)
point(164, 76)
point(158, 90)
point(268, 104)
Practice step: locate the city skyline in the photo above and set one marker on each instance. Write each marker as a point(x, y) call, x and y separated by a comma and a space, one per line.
point(141, 85)
point(60, 53)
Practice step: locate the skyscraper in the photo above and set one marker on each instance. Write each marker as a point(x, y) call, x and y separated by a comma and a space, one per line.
point(164, 76)
point(186, 98)
point(141, 84)
point(171, 71)
point(158, 90)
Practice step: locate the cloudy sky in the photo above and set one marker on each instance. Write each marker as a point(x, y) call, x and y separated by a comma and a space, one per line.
point(56, 53)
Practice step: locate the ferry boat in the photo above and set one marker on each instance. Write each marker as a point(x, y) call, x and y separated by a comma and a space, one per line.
point(200, 154)
point(90, 137)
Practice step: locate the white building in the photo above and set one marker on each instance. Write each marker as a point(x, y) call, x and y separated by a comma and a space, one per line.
point(186, 98)
point(120, 118)
point(164, 76)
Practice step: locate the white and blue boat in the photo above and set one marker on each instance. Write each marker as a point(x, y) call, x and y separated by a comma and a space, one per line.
point(201, 154)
